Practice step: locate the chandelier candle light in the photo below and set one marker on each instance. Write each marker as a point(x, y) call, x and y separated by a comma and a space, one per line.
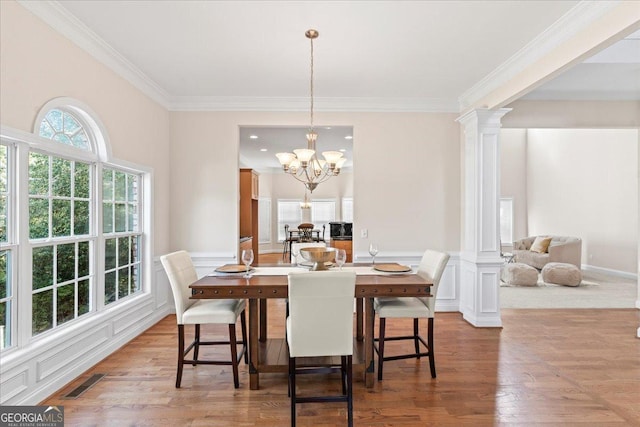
point(303, 164)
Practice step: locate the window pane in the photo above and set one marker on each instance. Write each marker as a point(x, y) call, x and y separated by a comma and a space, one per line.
point(5, 324)
point(70, 124)
point(84, 297)
point(65, 303)
point(107, 217)
point(38, 218)
point(83, 259)
point(3, 219)
point(110, 287)
point(61, 218)
point(38, 174)
point(121, 217)
point(81, 218)
point(506, 221)
point(55, 119)
point(110, 254)
point(135, 278)
point(123, 282)
point(123, 251)
point(288, 213)
point(135, 249)
point(107, 184)
point(42, 314)
point(82, 181)
point(42, 259)
point(46, 131)
point(132, 221)
point(5, 287)
point(120, 187)
point(132, 188)
point(61, 176)
point(3, 168)
point(66, 262)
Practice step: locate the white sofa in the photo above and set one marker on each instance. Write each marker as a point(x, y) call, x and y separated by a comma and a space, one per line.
point(563, 249)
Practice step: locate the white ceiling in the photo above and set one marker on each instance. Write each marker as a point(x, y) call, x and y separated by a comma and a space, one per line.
point(370, 56)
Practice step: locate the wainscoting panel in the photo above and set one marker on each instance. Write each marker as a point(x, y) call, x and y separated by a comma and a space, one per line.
point(74, 350)
point(13, 384)
point(37, 370)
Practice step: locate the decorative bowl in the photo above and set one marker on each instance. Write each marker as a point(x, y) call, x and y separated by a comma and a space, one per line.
point(318, 256)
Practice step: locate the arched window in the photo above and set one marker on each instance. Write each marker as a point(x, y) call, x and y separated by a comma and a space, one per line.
point(80, 225)
point(63, 127)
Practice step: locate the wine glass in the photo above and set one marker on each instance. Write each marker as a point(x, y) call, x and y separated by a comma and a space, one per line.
point(295, 251)
point(247, 259)
point(341, 257)
point(373, 251)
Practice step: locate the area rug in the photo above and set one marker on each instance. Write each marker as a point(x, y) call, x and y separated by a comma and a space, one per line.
point(597, 290)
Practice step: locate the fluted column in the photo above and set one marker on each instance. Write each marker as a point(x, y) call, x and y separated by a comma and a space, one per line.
point(481, 261)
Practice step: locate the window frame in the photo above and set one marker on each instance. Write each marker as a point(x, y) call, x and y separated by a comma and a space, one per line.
point(12, 248)
point(24, 143)
point(506, 241)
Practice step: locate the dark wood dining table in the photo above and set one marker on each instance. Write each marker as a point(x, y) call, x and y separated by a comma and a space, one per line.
point(270, 355)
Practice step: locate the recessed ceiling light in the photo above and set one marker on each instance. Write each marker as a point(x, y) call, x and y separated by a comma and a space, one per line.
point(253, 136)
point(343, 150)
point(328, 127)
point(348, 137)
point(263, 149)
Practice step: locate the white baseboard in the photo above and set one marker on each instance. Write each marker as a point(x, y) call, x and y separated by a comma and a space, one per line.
point(617, 273)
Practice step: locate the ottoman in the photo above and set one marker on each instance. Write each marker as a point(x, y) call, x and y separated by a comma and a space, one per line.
point(519, 274)
point(561, 273)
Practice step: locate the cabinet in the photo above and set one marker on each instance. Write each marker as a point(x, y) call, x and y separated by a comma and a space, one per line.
point(343, 244)
point(249, 192)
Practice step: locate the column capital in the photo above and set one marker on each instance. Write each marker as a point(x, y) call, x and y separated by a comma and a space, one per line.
point(483, 117)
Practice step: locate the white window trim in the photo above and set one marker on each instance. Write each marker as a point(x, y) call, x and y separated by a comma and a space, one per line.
point(23, 143)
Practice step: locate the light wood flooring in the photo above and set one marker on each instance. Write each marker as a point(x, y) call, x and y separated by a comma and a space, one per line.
point(556, 367)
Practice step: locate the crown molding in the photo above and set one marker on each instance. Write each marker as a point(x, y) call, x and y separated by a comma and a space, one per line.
point(341, 104)
point(575, 20)
point(57, 17)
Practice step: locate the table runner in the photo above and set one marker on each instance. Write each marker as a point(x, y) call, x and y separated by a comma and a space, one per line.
point(283, 271)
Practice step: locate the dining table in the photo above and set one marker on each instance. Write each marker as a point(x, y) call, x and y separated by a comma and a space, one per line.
point(269, 355)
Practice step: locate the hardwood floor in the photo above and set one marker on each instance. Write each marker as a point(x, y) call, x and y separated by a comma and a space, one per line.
point(543, 368)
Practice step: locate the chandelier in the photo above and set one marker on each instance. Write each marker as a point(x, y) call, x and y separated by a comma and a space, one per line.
point(303, 164)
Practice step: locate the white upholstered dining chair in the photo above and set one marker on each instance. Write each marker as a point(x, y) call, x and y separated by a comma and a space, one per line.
point(320, 323)
point(431, 266)
point(182, 273)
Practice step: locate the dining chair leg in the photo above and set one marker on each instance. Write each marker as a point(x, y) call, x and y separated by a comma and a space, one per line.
point(243, 326)
point(180, 354)
point(416, 342)
point(381, 347)
point(432, 361)
point(343, 374)
point(196, 346)
point(350, 390)
point(234, 353)
point(292, 389)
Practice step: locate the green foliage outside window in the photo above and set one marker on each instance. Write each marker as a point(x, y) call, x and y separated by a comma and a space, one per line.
point(62, 127)
point(5, 299)
point(3, 192)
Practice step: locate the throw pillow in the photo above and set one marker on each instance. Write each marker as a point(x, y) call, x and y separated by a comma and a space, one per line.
point(541, 244)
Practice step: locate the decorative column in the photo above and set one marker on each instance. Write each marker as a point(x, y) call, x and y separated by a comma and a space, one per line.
point(481, 261)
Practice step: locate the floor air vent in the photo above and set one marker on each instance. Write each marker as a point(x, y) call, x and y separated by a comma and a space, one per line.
point(76, 392)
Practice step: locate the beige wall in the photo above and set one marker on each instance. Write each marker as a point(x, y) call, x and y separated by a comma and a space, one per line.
point(406, 179)
point(513, 176)
point(39, 64)
point(573, 114)
point(583, 182)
